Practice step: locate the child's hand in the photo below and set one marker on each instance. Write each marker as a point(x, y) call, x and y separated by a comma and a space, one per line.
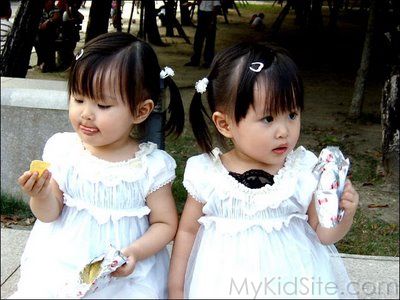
point(350, 199)
point(34, 186)
point(126, 269)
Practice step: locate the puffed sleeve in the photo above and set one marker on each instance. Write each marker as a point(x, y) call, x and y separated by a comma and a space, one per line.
point(161, 169)
point(195, 177)
point(56, 153)
point(307, 182)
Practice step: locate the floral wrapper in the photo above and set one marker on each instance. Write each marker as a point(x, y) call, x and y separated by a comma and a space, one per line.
point(331, 170)
point(96, 274)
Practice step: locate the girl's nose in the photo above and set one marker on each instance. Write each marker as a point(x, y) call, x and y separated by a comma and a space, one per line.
point(87, 114)
point(282, 130)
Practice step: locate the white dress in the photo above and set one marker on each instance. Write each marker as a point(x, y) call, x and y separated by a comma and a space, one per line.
point(104, 203)
point(256, 243)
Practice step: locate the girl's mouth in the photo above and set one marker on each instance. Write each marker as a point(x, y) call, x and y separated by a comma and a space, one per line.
point(88, 130)
point(280, 150)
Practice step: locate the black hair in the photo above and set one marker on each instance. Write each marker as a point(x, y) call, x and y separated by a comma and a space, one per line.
point(5, 9)
point(231, 86)
point(133, 66)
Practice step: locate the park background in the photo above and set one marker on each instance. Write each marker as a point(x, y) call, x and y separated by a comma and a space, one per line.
point(329, 59)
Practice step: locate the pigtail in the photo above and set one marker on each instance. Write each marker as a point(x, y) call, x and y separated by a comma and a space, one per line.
point(176, 121)
point(200, 128)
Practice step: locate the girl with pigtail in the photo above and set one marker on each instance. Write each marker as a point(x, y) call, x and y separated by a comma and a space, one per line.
point(105, 185)
point(249, 228)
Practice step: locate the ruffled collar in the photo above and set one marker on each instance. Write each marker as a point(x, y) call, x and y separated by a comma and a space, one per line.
point(95, 170)
point(284, 181)
point(144, 150)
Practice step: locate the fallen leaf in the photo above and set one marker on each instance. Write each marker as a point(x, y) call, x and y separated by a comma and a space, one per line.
point(377, 205)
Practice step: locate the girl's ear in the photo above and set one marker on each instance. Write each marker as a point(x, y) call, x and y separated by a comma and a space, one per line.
point(144, 110)
point(222, 122)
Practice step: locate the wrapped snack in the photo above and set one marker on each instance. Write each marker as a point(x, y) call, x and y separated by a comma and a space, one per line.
point(96, 274)
point(331, 170)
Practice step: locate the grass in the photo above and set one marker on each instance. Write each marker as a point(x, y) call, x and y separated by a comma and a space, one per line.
point(370, 236)
point(181, 149)
point(265, 7)
point(14, 207)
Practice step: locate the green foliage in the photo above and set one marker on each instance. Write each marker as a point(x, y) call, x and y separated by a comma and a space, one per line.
point(181, 149)
point(370, 236)
point(364, 169)
point(262, 7)
point(13, 206)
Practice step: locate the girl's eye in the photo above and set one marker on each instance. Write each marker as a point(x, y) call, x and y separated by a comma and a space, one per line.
point(78, 101)
point(268, 119)
point(103, 106)
point(293, 116)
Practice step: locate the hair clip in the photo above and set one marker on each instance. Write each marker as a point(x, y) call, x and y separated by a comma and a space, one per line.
point(79, 55)
point(166, 72)
point(259, 68)
point(201, 85)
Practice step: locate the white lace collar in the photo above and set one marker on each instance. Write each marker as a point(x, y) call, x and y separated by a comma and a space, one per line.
point(144, 149)
point(94, 169)
point(283, 187)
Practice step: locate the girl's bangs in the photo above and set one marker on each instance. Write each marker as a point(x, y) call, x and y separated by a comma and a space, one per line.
point(281, 92)
point(99, 79)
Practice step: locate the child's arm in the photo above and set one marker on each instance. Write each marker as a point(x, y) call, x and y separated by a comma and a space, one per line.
point(46, 198)
point(188, 227)
point(163, 220)
point(349, 203)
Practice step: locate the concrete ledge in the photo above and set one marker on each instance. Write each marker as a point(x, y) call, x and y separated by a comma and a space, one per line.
point(31, 111)
point(34, 93)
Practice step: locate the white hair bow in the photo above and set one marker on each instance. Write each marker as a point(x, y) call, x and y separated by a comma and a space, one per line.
point(79, 55)
point(259, 65)
point(201, 85)
point(166, 72)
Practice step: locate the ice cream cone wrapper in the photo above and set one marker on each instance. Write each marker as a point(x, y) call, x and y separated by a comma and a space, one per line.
point(331, 171)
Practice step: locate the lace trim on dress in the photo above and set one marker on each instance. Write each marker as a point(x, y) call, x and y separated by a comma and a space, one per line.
point(268, 196)
point(104, 215)
point(94, 169)
point(192, 191)
point(234, 226)
point(219, 188)
point(160, 185)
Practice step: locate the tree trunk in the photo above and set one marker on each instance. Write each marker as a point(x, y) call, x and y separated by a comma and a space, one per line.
point(390, 109)
point(359, 86)
point(150, 23)
point(300, 11)
point(334, 13)
point(18, 48)
point(98, 19)
point(169, 17)
point(117, 20)
point(279, 20)
point(315, 20)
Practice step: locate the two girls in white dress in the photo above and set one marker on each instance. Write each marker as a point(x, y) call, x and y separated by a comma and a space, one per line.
point(249, 227)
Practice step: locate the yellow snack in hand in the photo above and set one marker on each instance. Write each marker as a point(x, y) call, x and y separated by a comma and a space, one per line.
point(90, 272)
point(38, 166)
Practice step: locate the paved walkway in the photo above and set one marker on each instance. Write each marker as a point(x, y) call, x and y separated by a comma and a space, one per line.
point(373, 276)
